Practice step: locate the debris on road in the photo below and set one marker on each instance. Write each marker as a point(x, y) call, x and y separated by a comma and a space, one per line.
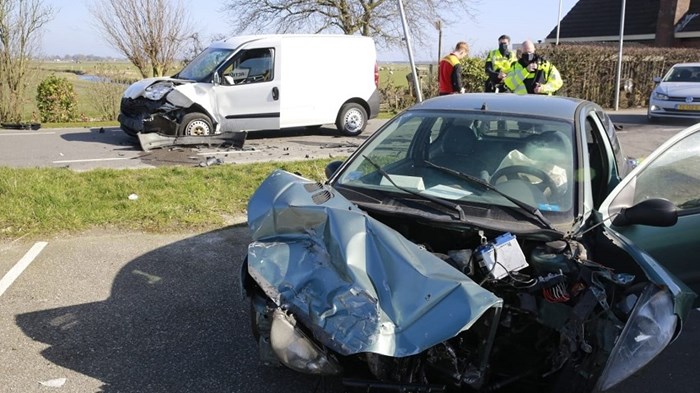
point(54, 383)
point(154, 140)
point(211, 161)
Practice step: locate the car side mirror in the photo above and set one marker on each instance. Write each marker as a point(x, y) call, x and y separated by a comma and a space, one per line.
point(657, 79)
point(332, 167)
point(655, 212)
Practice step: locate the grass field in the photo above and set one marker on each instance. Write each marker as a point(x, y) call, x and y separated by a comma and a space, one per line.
point(48, 201)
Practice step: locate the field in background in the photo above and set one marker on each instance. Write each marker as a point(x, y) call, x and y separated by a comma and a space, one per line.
point(83, 76)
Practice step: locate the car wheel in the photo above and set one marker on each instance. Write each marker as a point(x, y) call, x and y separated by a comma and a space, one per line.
point(196, 124)
point(351, 120)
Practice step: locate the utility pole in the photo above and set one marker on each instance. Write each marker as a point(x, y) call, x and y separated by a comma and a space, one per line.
point(419, 95)
point(619, 57)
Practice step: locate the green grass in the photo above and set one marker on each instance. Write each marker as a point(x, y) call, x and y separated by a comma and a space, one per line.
point(48, 201)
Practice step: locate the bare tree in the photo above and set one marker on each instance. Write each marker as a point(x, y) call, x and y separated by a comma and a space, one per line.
point(148, 32)
point(20, 24)
point(376, 18)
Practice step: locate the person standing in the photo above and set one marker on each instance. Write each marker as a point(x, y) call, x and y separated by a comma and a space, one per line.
point(450, 70)
point(498, 63)
point(532, 74)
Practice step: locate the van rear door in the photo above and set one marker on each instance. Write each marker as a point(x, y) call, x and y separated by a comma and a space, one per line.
point(248, 96)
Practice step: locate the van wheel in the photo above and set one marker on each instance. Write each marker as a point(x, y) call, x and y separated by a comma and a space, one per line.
point(196, 124)
point(352, 119)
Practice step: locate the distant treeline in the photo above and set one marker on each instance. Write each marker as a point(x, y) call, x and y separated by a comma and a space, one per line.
point(81, 58)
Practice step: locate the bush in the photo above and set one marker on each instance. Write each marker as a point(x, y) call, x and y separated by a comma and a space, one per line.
point(56, 101)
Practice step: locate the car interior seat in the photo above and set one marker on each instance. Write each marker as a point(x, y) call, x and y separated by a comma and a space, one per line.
point(458, 149)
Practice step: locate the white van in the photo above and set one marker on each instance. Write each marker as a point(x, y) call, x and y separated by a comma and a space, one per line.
point(261, 82)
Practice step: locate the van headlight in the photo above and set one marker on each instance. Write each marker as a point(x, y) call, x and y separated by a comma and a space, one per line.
point(648, 331)
point(156, 91)
point(660, 96)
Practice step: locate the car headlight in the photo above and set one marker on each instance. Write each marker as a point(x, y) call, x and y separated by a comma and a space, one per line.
point(649, 330)
point(156, 91)
point(660, 96)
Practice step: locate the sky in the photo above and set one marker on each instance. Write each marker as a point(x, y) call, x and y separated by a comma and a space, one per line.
point(72, 31)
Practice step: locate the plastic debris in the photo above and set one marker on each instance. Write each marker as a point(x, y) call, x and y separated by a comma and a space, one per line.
point(133, 197)
point(54, 383)
point(211, 161)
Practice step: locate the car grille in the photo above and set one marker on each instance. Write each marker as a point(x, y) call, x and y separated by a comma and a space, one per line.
point(682, 99)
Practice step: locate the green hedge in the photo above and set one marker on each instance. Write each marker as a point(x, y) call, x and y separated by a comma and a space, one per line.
point(589, 72)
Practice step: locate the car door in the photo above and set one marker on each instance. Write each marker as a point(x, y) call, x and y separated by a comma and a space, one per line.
point(671, 172)
point(247, 97)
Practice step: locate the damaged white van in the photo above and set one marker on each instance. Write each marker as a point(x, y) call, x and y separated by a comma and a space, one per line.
point(261, 82)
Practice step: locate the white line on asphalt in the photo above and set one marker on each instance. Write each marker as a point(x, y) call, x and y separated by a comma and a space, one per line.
point(26, 133)
point(92, 160)
point(16, 270)
point(229, 152)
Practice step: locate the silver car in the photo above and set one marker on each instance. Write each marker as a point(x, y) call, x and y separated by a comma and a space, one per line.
point(677, 94)
point(463, 248)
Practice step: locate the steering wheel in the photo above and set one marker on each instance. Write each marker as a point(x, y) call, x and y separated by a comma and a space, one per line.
point(513, 172)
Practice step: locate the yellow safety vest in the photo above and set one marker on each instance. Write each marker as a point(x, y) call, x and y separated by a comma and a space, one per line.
point(515, 81)
point(500, 62)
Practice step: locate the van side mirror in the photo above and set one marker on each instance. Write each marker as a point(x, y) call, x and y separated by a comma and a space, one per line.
point(332, 167)
point(657, 79)
point(216, 79)
point(655, 212)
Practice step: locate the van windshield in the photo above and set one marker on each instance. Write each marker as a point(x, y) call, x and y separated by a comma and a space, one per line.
point(201, 68)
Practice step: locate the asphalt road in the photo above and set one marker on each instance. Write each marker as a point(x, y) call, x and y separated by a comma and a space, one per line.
point(134, 312)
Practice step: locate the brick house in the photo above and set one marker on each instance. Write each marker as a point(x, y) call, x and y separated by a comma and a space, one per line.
point(662, 23)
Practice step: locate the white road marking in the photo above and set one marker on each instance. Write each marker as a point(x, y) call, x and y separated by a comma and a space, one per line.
point(229, 152)
point(92, 160)
point(25, 133)
point(16, 270)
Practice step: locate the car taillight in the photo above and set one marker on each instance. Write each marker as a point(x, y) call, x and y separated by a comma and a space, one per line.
point(376, 75)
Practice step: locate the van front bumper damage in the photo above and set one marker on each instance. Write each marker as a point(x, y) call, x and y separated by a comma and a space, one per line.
point(141, 115)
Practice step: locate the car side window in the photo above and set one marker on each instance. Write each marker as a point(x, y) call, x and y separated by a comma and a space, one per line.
point(675, 175)
point(250, 66)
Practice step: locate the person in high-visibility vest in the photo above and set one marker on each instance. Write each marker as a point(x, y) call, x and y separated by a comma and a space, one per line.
point(533, 74)
point(450, 70)
point(498, 62)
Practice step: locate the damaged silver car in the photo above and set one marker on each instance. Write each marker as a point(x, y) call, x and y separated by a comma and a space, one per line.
point(460, 248)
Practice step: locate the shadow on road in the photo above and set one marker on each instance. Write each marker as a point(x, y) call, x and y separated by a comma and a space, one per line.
point(106, 135)
point(175, 322)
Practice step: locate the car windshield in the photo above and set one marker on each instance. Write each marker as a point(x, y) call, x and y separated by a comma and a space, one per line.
point(683, 74)
point(530, 159)
point(204, 64)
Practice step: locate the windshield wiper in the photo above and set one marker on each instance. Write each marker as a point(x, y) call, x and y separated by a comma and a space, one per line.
point(534, 212)
point(454, 206)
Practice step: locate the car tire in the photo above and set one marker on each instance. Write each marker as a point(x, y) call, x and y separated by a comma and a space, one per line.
point(352, 119)
point(196, 124)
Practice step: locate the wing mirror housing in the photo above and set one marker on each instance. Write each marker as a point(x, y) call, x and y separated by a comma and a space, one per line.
point(657, 79)
point(655, 212)
point(331, 168)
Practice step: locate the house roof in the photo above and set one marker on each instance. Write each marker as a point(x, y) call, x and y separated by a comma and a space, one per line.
point(599, 20)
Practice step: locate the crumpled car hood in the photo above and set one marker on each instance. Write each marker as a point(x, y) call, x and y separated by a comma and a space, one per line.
point(357, 284)
point(137, 88)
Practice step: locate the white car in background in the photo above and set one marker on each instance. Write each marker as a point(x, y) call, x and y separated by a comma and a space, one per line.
point(677, 94)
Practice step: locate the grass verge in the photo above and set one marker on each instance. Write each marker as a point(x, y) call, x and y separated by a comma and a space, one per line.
point(50, 201)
